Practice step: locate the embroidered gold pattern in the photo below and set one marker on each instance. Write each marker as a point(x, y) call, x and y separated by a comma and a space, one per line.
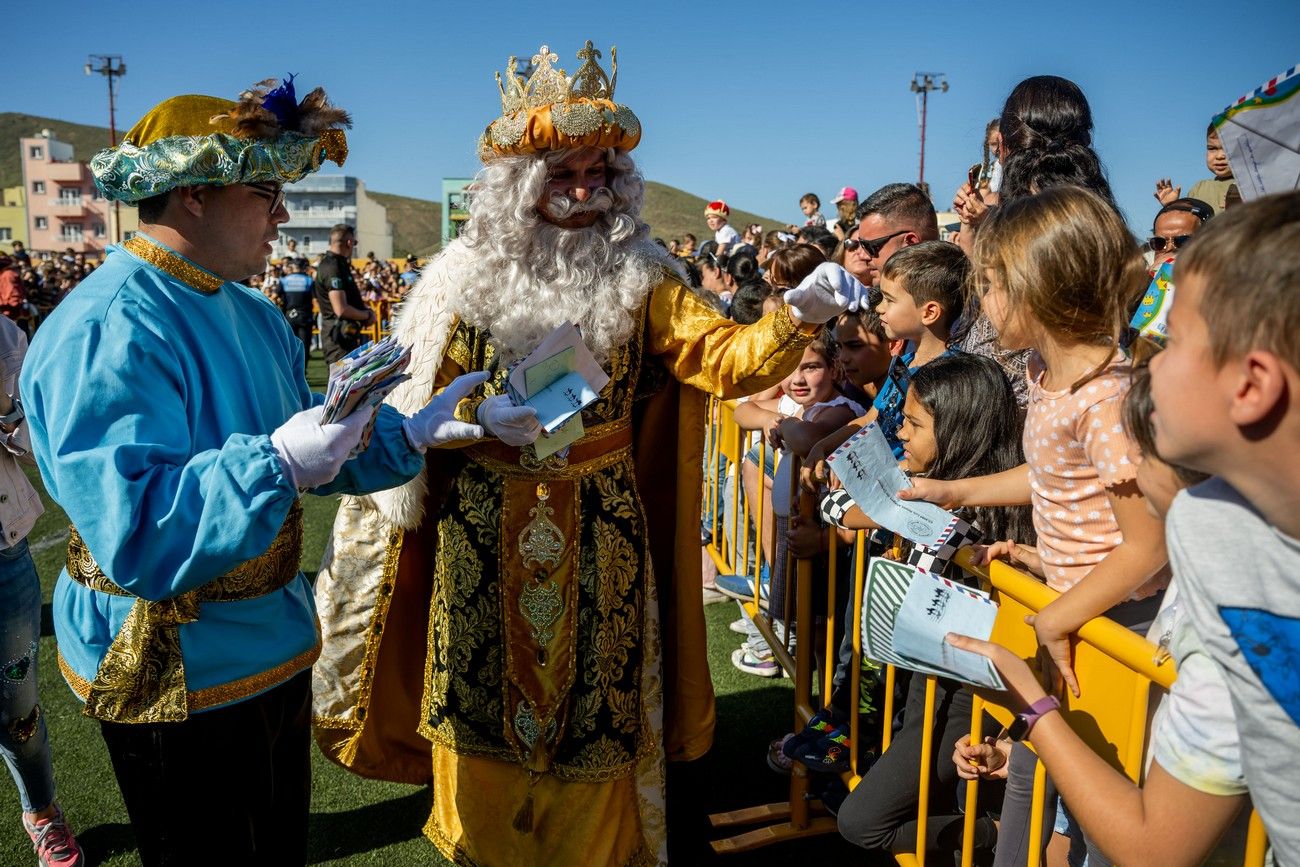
point(541, 542)
point(142, 675)
point(176, 266)
point(541, 604)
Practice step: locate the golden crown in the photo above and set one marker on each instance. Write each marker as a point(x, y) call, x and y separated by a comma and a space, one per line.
point(549, 110)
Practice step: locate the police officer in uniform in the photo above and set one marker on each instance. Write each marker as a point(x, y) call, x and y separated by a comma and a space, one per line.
point(343, 312)
point(298, 294)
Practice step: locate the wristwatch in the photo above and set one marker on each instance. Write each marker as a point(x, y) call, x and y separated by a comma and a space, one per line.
point(1024, 723)
point(14, 416)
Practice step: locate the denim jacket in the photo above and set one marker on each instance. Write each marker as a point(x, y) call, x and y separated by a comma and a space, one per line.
point(20, 505)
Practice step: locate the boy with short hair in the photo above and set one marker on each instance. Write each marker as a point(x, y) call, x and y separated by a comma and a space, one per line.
point(727, 238)
point(920, 301)
point(811, 207)
point(1225, 392)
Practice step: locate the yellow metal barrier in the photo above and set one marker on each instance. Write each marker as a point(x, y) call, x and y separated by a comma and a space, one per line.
point(1117, 670)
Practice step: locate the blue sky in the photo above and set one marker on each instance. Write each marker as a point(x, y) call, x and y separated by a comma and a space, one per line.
point(757, 102)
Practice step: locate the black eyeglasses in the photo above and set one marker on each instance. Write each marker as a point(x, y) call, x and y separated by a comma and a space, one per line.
point(873, 246)
point(1159, 244)
point(271, 191)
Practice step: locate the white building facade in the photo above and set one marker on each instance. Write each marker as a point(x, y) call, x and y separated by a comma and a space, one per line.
point(319, 202)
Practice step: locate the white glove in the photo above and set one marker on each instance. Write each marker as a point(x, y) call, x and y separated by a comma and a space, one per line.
point(513, 425)
point(824, 294)
point(436, 423)
point(312, 453)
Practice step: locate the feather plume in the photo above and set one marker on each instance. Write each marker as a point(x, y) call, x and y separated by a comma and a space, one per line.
point(267, 108)
point(316, 114)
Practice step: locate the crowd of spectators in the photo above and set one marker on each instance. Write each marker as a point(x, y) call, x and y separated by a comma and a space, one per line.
point(1002, 369)
point(32, 283)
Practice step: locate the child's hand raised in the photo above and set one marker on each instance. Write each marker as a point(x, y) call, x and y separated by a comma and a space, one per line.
point(1166, 192)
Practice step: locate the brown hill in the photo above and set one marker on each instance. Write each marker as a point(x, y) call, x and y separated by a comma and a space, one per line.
point(416, 222)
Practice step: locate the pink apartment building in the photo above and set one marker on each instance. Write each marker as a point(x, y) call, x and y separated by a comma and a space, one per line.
point(64, 208)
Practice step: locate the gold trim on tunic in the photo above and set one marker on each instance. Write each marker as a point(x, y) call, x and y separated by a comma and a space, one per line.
point(141, 678)
point(222, 693)
point(172, 264)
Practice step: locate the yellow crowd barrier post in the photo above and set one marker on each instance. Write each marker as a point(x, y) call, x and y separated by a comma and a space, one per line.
point(1116, 670)
point(972, 787)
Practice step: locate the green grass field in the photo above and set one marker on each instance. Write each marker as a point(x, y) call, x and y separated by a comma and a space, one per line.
point(356, 821)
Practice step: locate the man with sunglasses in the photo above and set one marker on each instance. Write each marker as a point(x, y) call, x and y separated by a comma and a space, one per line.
point(893, 217)
point(170, 418)
point(1174, 225)
point(343, 312)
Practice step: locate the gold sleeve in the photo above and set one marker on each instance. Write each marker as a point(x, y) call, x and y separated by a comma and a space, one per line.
point(457, 360)
point(704, 350)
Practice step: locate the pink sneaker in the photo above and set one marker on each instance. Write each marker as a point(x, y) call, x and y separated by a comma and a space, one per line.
point(53, 841)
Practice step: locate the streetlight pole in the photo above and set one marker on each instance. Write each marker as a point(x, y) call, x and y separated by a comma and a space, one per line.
point(111, 67)
point(922, 84)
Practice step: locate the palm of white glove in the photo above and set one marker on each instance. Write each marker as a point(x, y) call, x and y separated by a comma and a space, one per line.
point(513, 425)
point(311, 453)
point(437, 424)
point(824, 294)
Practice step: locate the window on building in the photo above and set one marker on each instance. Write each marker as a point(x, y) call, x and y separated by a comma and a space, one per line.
point(6, 233)
point(333, 205)
point(306, 242)
point(71, 232)
point(69, 195)
point(38, 188)
point(100, 231)
point(36, 152)
point(42, 222)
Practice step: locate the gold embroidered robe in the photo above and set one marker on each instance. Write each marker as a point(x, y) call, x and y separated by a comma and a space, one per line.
point(537, 670)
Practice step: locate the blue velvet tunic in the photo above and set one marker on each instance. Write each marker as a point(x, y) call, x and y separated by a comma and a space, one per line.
point(151, 392)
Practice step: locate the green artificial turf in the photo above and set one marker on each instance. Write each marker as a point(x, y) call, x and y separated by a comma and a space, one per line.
point(356, 821)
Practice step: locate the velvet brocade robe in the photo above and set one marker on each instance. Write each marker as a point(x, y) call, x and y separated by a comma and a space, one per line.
point(514, 620)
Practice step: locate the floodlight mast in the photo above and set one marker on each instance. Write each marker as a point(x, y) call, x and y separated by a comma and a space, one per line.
point(111, 67)
point(922, 84)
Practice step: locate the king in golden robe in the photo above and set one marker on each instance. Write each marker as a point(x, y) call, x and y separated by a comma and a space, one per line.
point(527, 632)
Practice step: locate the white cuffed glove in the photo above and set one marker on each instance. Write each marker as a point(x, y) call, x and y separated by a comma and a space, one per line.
point(513, 425)
point(437, 424)
point(824, 294)
point(311, 453)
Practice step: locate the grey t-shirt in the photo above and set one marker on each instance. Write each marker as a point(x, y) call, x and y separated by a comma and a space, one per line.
point(1239, 579)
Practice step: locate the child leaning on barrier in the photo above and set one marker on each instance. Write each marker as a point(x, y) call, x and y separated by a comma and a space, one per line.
point(1159, 483)
point(1060, 270)
point(920, 300)
point(802, 409)
point(1225, 393)
point(960, 419)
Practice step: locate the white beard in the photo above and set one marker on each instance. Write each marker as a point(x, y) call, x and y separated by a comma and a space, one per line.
point(565, 276)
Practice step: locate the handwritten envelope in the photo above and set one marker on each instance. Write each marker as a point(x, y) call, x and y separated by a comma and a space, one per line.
point(866, 467)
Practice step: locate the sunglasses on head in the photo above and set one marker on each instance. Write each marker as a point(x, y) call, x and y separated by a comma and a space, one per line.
point(1159, 244)
point(873, 246)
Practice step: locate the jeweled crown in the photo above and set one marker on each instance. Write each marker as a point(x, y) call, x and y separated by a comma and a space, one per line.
point(567, 111)
point(548, 84)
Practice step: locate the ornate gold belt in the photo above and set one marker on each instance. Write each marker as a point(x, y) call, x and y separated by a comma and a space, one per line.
point(600, 447)
point(142, 676)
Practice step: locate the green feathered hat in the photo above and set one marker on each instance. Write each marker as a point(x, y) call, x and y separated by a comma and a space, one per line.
point(193, 140)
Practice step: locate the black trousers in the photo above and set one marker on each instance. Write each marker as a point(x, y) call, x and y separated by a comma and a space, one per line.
point(881, 812)
point(228, 786)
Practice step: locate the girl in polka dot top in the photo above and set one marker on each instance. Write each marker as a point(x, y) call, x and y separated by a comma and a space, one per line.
point(1060, 269)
